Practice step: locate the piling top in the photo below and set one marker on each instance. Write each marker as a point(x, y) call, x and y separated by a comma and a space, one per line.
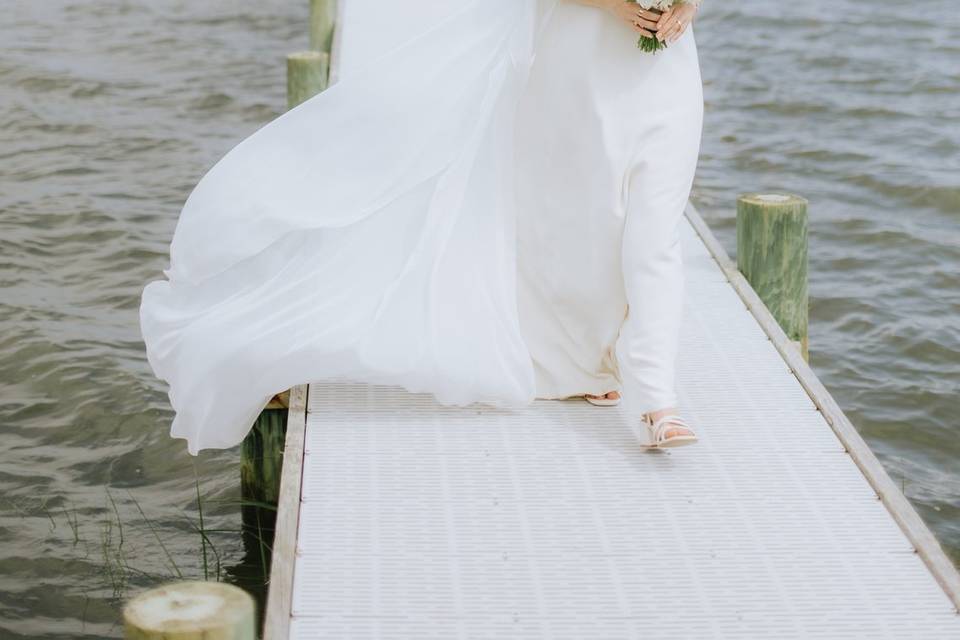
point(189, 605)
point(777, 199)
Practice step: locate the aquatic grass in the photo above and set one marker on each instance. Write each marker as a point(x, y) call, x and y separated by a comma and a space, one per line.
point(46, 512)
point(116, 573)
point(116, 560)
point(263, 554)
point(264, 546)
point(115, 557)
point(119, 544)
point(74, 524)
point(116, 512)
point(204, 542)
point(156, 534)
point(203, 535)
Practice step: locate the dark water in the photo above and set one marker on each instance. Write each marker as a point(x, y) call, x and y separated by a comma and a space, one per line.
point(111, 110)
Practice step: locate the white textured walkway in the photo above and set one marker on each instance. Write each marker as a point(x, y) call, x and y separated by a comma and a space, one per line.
point(419, 521)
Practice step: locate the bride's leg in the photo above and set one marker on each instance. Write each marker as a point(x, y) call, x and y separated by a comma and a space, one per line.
point(658, 189)
point(654, 284)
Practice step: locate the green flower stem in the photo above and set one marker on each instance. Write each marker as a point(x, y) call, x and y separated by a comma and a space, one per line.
point(651, 45)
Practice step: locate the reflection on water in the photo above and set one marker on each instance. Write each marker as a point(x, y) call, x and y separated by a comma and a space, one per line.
point(113, 109)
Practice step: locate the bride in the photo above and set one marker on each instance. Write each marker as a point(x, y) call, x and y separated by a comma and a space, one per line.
point(488, 212)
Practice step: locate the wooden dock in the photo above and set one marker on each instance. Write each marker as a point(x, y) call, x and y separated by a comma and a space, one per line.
point(401, 518)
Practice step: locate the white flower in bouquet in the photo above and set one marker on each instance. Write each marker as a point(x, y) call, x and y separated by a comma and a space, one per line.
point(659, 5)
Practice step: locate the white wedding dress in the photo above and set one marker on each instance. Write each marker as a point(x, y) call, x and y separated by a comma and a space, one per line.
point(370, 234)
point(607, 144)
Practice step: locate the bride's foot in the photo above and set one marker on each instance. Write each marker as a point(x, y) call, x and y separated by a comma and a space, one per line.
point(608, 399)
point(667, 429)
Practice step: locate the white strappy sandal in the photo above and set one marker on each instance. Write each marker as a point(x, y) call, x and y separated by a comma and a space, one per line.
point(656, 432)
point(602, 401)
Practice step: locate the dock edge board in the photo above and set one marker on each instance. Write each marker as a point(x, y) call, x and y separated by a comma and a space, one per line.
point(276, 624)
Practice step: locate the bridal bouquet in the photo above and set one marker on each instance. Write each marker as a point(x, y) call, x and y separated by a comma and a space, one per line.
point(647, 43)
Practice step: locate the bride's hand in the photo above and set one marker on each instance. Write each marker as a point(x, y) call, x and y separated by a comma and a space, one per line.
point(674, 21)
point(643, 21)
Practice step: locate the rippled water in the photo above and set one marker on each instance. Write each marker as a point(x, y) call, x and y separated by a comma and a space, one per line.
point(110, 111)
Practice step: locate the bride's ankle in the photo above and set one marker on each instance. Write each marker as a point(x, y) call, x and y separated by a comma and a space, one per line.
point(659, 413)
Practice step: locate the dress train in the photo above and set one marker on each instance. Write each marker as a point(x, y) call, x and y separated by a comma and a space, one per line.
point(367, 234)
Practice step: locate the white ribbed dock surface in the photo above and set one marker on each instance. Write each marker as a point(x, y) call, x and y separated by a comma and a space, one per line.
point(419, 521)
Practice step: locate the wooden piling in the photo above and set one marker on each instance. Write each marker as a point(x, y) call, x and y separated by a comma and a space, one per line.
point(772, 256)
point(261, 464)
point(191, 609)
point(306, 75)
point(322, 19)
point(261, 460)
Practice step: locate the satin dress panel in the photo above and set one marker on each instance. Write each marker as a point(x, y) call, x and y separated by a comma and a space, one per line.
point(607, 135)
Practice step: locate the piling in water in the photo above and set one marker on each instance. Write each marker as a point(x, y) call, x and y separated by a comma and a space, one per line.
point(772, 255)
point(306, 75)
point(261, 460)
point(322, 18)
point(191, 609)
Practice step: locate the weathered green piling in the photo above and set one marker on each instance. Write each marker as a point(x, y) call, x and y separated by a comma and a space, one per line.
point(191, 609)
point(261, 460)
point(323, 14)
point(306, 75)
point(772, 255)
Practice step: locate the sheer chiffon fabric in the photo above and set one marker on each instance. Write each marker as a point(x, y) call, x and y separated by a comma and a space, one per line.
point(487, 211)
point(367, 234)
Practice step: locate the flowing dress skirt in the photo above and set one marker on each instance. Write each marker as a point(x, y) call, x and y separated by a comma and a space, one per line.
point(369, 234)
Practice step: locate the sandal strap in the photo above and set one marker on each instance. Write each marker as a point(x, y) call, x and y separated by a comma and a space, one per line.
point(662, 424)
point(602, 396)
